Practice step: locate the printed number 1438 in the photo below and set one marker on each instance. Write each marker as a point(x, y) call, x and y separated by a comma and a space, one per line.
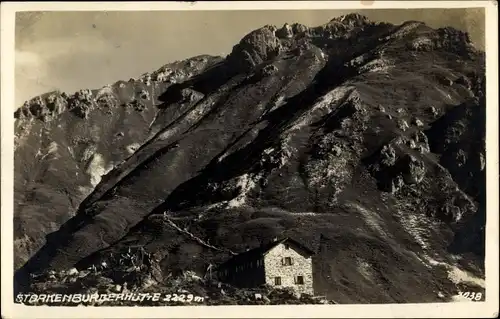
point(471, 295)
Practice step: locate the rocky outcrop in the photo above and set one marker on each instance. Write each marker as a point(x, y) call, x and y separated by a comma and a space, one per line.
point(269, 41)
point(453, 40)
point(81, 103)
point(191, 96)
point(285, 32)
point(414, 171)
point(43, 108)
point(444, 39)
point(395, 170)
point(266, 71)
point(256, 47)
point(352, 20)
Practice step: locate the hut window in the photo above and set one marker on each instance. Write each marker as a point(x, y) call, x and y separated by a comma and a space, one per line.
point(299, 280)
point(277, 281)
point(287, 261)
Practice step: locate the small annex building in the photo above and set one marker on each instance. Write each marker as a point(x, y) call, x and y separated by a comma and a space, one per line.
point(282, 263)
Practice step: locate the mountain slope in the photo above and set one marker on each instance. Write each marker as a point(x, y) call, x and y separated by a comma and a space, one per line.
point(355, 130)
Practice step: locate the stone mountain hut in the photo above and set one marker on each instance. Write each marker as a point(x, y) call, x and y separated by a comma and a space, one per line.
point(280, 263)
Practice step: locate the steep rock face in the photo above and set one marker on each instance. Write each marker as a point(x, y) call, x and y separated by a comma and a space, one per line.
point(65, 144)
point(354, 130)
point(459, 138)
point(256, 47)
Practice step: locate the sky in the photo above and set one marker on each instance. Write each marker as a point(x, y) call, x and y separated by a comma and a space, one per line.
point(71, 50)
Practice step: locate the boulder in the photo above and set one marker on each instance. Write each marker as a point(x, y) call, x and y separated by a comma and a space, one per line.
point(403, 125)
point(144, 95)
point(189, 95)
point(388, 155)
point(396, 184)
point(72, 272)
point(415, 171)
point(418, 122)
point(268, 70)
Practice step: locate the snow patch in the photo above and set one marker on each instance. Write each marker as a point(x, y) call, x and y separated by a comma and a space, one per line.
point(431, 261)
point(97, 168)
point(457, 275)
point(246, 183)
point(85, 191)
point(133, 147)
point(52, 148)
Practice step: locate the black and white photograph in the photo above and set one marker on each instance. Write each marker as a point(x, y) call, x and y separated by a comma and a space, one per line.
point(239, 156)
